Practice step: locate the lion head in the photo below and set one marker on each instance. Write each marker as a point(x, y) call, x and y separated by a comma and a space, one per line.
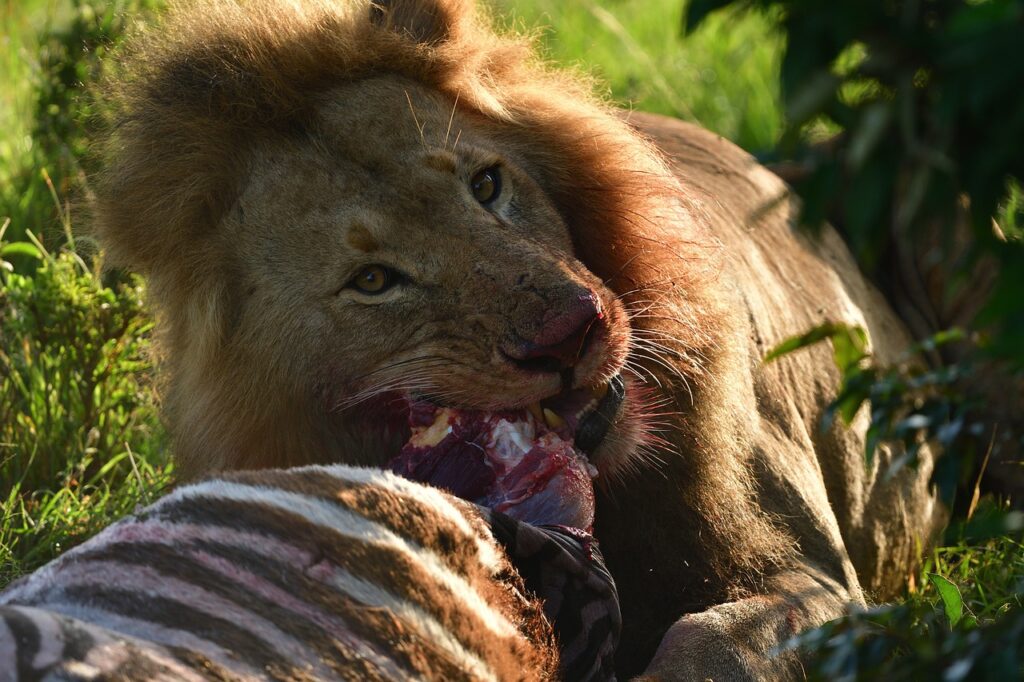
point(338, 204)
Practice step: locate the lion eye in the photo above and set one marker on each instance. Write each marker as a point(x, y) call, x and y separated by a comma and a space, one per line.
point(373, 279)
point(486, 185)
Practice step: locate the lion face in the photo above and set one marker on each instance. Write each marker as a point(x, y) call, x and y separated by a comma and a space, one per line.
point(425, 263)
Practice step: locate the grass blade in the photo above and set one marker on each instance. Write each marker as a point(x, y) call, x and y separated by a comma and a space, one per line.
point(952, 602)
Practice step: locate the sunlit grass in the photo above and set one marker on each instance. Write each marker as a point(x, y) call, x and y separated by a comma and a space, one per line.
point(39, 524)
point(80, 440)
point(990, 575)
point(23, 194)
point(723, 76)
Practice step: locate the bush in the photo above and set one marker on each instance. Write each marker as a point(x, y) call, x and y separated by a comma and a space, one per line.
point(71, 58)
point(80, 441)
point(939, 633)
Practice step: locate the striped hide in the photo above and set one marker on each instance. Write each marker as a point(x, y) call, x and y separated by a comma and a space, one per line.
point(314, 573)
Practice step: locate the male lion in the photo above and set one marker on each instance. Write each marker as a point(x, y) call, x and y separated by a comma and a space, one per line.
point(345, 208)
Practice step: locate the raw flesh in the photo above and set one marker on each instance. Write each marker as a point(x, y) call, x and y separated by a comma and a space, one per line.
point(508, 461)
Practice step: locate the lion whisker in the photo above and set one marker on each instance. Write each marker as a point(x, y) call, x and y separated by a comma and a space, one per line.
point(651, 354)
point(622, 268)
point(415, 362)
point(419, 126)
point(639, 377)
point(639, 371)
point(450, 119)
point(403, 384)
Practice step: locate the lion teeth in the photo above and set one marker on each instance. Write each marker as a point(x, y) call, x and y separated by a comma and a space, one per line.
point(592, 405)
point(552, 420)
point(435, 433)
point(536, 411)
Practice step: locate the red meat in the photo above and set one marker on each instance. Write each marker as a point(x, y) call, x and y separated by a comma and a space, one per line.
point(508, 461)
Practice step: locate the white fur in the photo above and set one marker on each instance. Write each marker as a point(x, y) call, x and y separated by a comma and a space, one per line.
point(348, 524)
point(427, 625)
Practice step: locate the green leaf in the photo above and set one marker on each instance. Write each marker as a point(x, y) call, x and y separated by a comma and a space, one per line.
point(951, 335)
point(848, 404)
point(952, 602)
point(849, 344)
point(808, 338)
point(20, 249)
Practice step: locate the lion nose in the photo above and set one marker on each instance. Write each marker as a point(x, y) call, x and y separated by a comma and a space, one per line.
point(562, 338)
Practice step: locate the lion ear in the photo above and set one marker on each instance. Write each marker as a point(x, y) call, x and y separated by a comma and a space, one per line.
point(424, 21)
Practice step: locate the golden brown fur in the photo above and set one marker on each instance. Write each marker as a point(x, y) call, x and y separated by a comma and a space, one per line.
point(261, 149)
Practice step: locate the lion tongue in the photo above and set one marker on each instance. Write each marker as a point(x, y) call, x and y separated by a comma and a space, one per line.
point(508, 461)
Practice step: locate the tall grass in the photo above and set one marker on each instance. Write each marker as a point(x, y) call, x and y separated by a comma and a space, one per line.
point(20, 24)
point(723, 77)
point(80, 440)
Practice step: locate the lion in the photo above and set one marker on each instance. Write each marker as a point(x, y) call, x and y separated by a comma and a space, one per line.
point(343, 208)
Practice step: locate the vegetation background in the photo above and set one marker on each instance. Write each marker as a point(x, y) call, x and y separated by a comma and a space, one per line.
point(80, 439)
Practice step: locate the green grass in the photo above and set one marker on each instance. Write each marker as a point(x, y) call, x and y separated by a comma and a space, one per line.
point(80, 439)
point(722, 77)
point(20, 24)
point(965, 622)
point(989, 575)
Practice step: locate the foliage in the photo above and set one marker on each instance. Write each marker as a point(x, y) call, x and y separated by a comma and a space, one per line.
point(925, 98)
point(927, 94)
point(911, 402)
point(916, 641)
point(70, 57)
point(722, 77)
point(79, 441)
point(973, 631)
